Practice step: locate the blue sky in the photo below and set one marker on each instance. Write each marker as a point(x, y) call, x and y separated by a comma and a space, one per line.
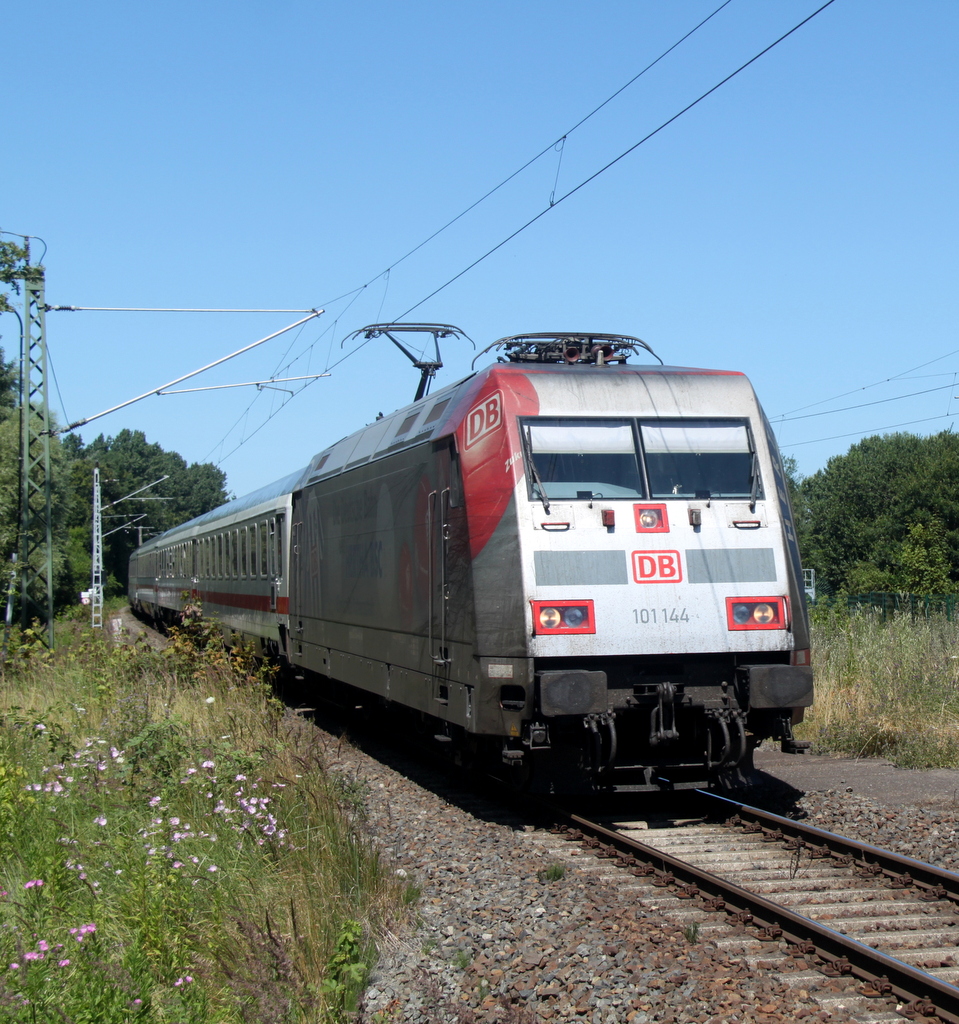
point(800, 224)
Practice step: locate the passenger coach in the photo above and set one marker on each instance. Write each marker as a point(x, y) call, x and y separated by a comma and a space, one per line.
point(573, 570)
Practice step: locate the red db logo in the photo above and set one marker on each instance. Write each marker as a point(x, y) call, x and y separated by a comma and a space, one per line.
point(657, 567)
point(484, 418)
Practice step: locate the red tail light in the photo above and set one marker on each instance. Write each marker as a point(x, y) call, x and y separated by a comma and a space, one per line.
point(560, 617)
point(756, 613)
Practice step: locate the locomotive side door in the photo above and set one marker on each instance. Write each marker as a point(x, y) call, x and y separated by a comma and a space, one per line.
point(275, 557)
point(447, 570)
point(296, 525)
point(438, 532)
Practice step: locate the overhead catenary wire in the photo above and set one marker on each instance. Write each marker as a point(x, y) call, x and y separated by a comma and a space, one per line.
point(864, 433)
point(866, 387)
point(386, 273)
point(561, 139)
point(864, 405)
point(553, 203)
point(615, 160)
point(164, 309)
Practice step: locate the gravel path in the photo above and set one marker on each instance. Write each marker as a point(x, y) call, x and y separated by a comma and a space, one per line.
point(503, 939)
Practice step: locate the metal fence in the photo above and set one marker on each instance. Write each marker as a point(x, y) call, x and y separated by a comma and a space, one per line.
point(917, 605)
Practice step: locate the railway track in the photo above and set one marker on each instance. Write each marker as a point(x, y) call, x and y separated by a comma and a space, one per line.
point(845, 908)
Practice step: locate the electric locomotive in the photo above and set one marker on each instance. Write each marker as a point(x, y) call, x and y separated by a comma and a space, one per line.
point(576, 571)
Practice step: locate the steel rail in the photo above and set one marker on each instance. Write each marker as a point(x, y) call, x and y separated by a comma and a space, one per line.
point(926, 993)
point(945, 884)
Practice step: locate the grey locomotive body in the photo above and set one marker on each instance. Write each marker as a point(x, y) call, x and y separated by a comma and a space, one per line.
point(581, 573)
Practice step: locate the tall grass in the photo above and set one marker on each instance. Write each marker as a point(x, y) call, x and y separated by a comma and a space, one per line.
point(886, 687)
point(170, 846)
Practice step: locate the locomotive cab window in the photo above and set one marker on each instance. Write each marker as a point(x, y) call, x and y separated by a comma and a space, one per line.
point(700, 459)
point(583, 459)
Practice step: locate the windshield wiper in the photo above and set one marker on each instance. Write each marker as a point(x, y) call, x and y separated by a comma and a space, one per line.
point(532, 466)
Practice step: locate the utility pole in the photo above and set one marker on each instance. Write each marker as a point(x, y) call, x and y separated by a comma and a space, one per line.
point(96, 581)
point(36, 525)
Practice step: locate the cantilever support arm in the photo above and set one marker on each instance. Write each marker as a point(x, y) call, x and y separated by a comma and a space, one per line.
point(186, 376)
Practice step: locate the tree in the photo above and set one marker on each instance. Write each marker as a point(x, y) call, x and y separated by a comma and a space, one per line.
point(9, 384)
point(15, 266)
point(128, 462)
point(885, 516)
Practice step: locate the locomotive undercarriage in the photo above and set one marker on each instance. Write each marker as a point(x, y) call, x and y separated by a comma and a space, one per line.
point(606, 725)
point(650, 724)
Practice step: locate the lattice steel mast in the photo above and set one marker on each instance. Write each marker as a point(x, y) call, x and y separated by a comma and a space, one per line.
point(35, 560)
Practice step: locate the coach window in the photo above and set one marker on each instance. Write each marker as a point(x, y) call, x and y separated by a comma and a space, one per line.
point(700, 459)
point(582, 459)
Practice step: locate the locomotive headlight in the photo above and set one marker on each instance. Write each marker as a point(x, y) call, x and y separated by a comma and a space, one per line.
point(559, 617)
point(549, 618)
point(764, 613)
point(756, 612)
point(651, 518)
point(742, 613)
point(574, 616)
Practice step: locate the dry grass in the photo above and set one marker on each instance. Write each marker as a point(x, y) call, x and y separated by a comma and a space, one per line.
point(886, 688)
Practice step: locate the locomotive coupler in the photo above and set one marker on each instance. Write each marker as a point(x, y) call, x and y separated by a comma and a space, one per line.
point(730, 723)
point(593, 722)
point(662, 722)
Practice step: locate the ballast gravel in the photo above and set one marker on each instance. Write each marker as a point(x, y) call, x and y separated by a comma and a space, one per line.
point(514, 931)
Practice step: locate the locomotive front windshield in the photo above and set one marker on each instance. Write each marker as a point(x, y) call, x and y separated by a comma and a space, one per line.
point(583, 459)
point(642, 458)
point(698, 459)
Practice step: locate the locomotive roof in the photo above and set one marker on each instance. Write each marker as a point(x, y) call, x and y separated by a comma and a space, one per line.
point(435, 416)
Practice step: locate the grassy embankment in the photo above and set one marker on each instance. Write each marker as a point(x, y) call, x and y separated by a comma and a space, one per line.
point(886, 688)
point(170, 846)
